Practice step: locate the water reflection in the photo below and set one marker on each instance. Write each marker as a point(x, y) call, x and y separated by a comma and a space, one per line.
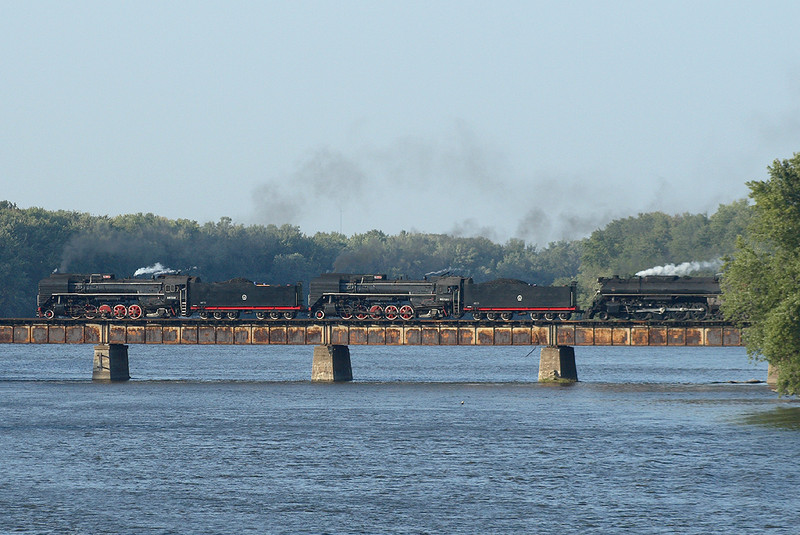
point(779, 417)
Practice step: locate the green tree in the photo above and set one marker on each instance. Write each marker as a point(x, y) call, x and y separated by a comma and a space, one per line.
point(762, 279)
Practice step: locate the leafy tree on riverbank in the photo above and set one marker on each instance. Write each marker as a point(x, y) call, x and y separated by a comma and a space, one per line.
point(762, 280)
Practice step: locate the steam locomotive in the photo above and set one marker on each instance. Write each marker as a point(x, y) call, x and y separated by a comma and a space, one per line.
point(656, 297)
point(103, 295)
point(375, 297)
point(345, 296)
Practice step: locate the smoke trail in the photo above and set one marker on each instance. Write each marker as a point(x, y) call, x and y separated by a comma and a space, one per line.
point(155, 269)
point(680, 269)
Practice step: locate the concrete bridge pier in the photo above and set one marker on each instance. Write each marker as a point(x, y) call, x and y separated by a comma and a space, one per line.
point(111, 363)
point(557, 364)
point(331, 364)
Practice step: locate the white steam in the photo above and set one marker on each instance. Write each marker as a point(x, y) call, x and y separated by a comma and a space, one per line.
point(680, 269)
point(155, 269)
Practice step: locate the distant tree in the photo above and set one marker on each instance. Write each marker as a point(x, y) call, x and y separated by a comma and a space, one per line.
point(762, 278)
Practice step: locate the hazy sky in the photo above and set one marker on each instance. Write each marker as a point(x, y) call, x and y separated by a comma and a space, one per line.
point(540, 120)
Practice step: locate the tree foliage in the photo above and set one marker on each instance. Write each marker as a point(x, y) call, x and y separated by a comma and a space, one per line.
point(34, 242)
point(762, 278)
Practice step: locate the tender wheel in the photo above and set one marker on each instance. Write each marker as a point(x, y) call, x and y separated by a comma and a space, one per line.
point(549, 316)
point(477, 315)
point(535, 316)
point(261, 315)
point(564, 316)
point(274, 315)
point(218, 315)
point(135, 312)
point(232, 314)
point(319, 314)
point(391, 312)
point(375, 312)
point(506, 316)
point(120, 311)
point(406, 312)
point(491, 316)
point(203, 315)
point(288, 315)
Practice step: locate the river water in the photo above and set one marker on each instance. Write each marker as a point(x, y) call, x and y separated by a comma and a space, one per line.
point(227, 439)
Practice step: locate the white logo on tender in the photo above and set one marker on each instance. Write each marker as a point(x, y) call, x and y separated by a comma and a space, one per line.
point(244, 297)
point(519, 297)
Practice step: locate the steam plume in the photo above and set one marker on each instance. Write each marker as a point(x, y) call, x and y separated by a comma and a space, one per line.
point(680, 269)
point(155, 269)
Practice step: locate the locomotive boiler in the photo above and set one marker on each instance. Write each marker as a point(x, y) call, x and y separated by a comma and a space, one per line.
point(656, 297)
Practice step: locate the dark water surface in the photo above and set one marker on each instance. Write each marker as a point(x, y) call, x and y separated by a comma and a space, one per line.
point(425, 440)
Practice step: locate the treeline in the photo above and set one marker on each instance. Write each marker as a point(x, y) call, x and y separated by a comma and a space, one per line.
point(34, 242)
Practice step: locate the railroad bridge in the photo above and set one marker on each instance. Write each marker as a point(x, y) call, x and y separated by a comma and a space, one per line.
point(332, 338)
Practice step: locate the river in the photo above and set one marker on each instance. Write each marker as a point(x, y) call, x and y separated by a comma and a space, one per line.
point(232, 439)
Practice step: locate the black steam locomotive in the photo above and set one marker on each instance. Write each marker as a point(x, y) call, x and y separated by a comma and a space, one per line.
point(331, 295)
point(656, 297)
point(103, 295)
point(375, 297)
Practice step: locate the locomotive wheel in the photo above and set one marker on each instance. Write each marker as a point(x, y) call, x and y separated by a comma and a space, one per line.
point(361, 312)
point(319, 314)
point(218, 315)
point(642, 316)
point(700, 314)
point(120, 311)
point(135, 312)
point(232, 314)
point(603, 316)
point(391, 312)
point(49, 314)
point(346, 314)
point(406, 312)
point(375, 312)
point(289, 315)
point(91, 311)
point(105, 311)
point(506, 316)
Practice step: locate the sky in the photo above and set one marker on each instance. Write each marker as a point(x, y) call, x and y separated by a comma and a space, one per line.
point(534, 120)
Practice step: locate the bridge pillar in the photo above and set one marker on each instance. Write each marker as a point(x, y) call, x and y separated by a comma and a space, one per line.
point(110, 363)
point(331, 363)
point(772, 376)
point(557, 363)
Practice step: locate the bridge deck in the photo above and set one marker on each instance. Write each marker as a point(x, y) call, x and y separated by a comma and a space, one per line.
point(311, 332)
